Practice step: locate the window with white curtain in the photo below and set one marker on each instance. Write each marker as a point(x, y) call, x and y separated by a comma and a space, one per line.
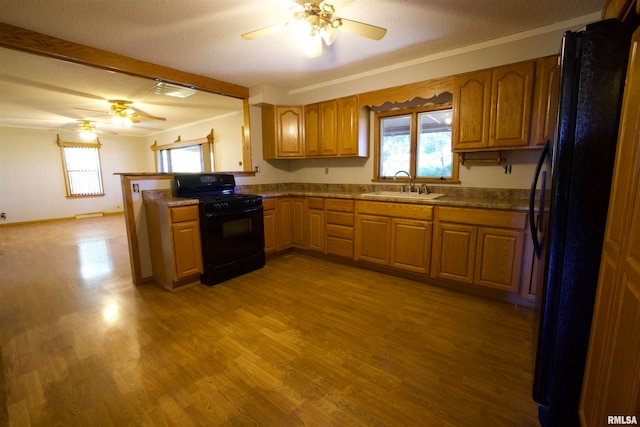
point(81, 164)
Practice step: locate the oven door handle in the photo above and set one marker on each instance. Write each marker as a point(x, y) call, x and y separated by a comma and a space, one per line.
point(235, 211)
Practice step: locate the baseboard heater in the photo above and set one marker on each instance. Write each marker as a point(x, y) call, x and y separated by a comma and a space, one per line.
point(89, 215)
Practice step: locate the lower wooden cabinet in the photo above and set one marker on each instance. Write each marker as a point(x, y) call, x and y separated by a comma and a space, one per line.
point(480, 246)
point(269, 212)
point(394, 234)
point(455, 251)
point(286, 223)
point(339, 221)
point(174, 242)
point(316, 223)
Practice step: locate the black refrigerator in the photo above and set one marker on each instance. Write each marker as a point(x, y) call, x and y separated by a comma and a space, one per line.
point(569, 222)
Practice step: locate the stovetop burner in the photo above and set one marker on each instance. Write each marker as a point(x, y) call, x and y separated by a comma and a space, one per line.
point(216, 192)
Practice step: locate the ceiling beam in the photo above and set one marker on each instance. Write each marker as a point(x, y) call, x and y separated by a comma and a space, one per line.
point(41, 44)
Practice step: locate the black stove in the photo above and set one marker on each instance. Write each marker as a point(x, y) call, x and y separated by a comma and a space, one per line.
point(231, 225)
point(229, 202)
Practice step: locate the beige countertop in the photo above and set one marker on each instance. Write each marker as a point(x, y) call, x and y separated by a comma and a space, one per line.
point(455, 197)
point(521, 204)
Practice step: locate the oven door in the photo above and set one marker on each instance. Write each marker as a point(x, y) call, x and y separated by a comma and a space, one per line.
point(232, 243)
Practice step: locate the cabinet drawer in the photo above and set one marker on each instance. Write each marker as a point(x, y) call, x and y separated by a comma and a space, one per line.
point(340, 218)
point(184, 213)
point(316, 203)
point(342, 205)
point(483, 217)
point(340, 231)
point(341, 247)
point(397, 210)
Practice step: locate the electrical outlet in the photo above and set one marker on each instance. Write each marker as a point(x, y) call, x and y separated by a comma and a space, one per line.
point(326, 171)
point(256, 169)
point(507, 169)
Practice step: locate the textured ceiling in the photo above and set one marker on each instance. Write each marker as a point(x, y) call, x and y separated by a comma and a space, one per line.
point(203, 36)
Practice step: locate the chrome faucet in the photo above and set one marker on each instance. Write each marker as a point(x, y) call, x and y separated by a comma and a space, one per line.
point(410, 180)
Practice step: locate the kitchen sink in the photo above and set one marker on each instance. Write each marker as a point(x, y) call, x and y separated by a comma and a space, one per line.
point(385, 194)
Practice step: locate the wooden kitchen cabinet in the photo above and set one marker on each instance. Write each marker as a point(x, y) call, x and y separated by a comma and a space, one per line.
point(339, 227)
point(492, 108)
point(321, 129)
point(394, 234)
point(174, 242)
point(352, 127)
point(282, 132)
point(316, 223)
point(545, 101)
point(285, 223)
point(480, 246)
point(454, 251)
point(269, 207)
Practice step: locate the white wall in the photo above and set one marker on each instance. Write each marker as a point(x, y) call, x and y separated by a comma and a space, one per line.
point(32, 181)
point(227, 134)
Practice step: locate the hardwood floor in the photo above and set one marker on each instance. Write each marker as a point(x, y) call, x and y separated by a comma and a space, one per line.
point(303, 341)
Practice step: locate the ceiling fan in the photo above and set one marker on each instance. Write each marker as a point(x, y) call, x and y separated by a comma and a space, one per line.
point(124, 114)
point(87, 130)
point(314, 22)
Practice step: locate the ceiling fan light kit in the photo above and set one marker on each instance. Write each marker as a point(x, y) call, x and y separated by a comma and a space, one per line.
point(314, 22)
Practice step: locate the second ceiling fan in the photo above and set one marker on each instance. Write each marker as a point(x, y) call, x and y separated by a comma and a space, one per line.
point(314, 22)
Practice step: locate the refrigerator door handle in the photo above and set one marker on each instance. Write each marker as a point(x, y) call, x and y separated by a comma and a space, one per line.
point(537, 247)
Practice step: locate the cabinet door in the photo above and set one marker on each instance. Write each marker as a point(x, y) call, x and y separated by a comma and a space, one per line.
point(499, 259)
point(299, 222)
point(289, 131)
point(511, 104)
point(348, 126)
point(373, 234)
point(471, 106)
point(328, 128)
point(284, 235)
point(312, 130)
point(455, 252)
point(186, 249)
point(270, 226)
point(316, 230)
point(545, 100)
point(411, 244)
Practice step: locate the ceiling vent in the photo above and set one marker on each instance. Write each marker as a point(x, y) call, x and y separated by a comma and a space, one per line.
point(168, 89)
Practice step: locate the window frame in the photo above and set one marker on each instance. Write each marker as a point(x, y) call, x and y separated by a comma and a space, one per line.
point(413, 161)
point(207, 158)
point(63, 145)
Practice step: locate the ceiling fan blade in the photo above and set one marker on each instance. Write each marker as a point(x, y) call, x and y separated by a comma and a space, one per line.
point(362, 29)
point(88, 109)
point(263, 31)
point(143, 116)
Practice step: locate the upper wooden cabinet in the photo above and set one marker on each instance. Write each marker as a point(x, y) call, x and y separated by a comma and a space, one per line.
point(545, 101)
point(282, 132)
point(321, 129)
point(353, 128)
point(492, 108)
point(334, 128)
